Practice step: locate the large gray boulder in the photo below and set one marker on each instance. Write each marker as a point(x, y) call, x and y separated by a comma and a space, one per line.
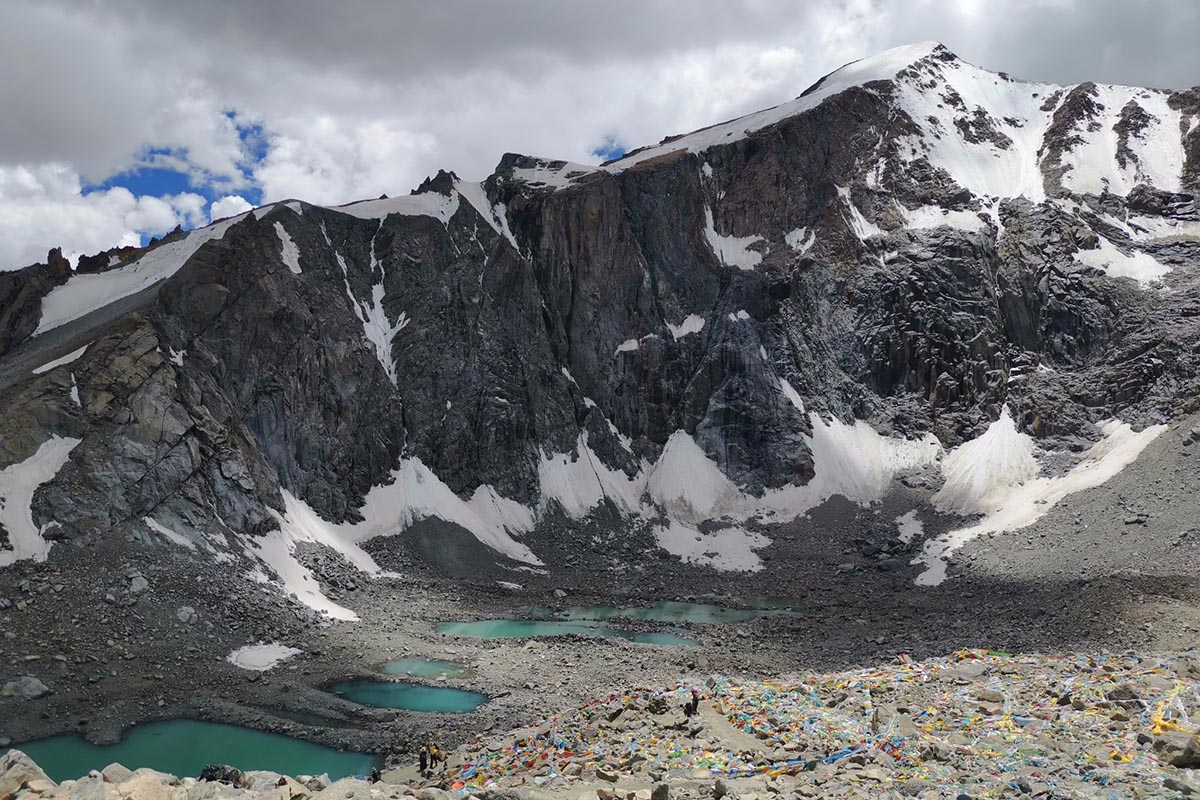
point(25, 686)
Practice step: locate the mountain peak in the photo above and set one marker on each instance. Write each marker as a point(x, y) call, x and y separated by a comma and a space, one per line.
point(884, 65)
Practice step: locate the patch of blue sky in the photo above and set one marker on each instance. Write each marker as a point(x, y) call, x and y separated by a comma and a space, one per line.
point(163, 171)
point(609, 149)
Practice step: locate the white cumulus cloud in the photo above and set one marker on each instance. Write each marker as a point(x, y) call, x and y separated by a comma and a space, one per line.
point(44, 206)
point(228, 206)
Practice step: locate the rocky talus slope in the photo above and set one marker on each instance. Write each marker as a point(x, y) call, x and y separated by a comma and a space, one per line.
point(976, 724)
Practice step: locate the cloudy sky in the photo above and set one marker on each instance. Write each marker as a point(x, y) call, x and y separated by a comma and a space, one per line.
point(124, 118)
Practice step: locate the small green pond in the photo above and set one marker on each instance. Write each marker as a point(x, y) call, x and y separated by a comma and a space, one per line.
point(184, 747)
point(408, 696)
point(666, 611)
point(520, 628)
point(424, 668)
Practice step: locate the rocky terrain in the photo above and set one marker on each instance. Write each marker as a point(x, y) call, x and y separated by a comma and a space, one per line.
point(914, 354)
point(976, 724)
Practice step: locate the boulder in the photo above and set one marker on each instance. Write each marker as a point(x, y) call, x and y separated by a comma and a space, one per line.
point(222, 773)
point(292, 789)
point(352, 789)
point(1178, 749)
point(92, 787)
point(17, 770)
point(25, 686)
point(606, 774)
point(318, 783)
point(259, 780)
point(116, 773)
point(148, 784)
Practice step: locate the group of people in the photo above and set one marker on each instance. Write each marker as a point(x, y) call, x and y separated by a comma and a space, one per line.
point(429, 757)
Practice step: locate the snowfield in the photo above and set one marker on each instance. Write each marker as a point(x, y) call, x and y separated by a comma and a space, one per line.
point(997, 476)
point(18, 483)
point(261, 657)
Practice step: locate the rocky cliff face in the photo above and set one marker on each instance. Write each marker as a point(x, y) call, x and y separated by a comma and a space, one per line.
point(914, 243)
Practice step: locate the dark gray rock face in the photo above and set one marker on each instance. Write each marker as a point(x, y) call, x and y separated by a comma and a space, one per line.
point(834, 260)
point(21, 293)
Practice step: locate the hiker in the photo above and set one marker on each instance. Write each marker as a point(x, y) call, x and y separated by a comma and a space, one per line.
point(436, 756)
point(695, 702)
point(376, 775)
point(423, 757)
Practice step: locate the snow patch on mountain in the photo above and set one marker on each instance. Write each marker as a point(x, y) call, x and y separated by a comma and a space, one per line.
point(171, 536)
point(261, 657)
point(426, 204)
point(290, 253)
point(82, 294)
point(380, 331)
point(58, 362)
point(1092, 163)
point(851, 460)
point(909, 527)
point(800, 239)
point(1151, 229)
point(1136, 265)
point(732, 251)
point(727, 549)
point(276, 550)
point(1009, 505)
point(18, 483)
point(553, 174)
point(692, 323)
point(416, 493)
point(863, 228)
point(946, 97)
point(688, 484)
point(579, 482)
point(377, 328)
point(499, 512)
point(495, 215)
point(983, 469)
point(791, 394)
point(935, 217)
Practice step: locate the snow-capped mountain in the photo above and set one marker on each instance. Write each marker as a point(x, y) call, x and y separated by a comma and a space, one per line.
point(916, 269)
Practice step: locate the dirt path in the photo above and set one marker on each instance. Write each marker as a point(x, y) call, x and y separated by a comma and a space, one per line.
point(717, 724)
